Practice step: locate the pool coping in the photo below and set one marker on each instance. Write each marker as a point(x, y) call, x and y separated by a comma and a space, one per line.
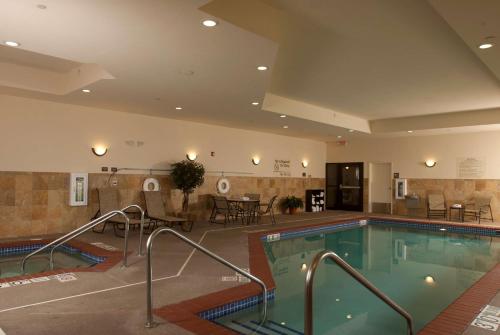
point(454, 319)
point(111, 258)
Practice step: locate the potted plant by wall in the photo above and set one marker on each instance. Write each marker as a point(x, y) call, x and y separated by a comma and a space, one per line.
point(291, 203)
point(187, 176)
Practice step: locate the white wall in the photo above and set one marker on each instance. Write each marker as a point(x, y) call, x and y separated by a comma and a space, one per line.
point(45, 136)
point(409, 153)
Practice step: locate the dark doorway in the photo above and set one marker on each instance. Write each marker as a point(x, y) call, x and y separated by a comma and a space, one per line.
point(344, 186)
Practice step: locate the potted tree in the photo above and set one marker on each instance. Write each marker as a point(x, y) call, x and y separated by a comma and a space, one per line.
point(187, 176)
point(291, 203)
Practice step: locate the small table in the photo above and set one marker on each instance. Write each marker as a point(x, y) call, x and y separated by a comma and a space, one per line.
point(461, 210)
point(249, 206)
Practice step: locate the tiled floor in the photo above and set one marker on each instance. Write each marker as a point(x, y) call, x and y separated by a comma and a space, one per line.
point(113, 302)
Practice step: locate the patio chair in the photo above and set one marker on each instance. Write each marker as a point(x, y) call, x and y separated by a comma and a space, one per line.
point(251, 209)
point(155, 209)
point(479, 208)
point(223, 207)
point(108, 201)
point(436, 207)
point(268, 210)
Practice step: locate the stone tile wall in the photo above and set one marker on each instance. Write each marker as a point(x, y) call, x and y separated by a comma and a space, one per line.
point(454, 190)
point(37, 203)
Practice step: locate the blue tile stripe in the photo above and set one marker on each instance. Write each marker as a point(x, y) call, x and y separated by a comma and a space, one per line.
point(235, 306)
point(27, 248)
point(437, 227)
point(415, 225)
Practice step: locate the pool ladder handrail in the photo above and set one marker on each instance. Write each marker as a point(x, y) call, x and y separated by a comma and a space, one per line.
point(308, 302)
point(77, 232)
point(149, 294)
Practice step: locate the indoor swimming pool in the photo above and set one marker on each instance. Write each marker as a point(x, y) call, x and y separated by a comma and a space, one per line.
point(421, 270)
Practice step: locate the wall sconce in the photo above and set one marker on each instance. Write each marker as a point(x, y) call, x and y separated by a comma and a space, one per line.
point(256, 160)
point(305, 164)
point(192, 156)
point(430, 163)
point(99, 150)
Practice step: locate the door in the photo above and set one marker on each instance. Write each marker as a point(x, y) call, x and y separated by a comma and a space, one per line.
point(344, 186)
point(380, 190)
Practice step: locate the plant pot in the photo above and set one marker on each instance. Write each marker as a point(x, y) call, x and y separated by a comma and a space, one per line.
point(292, 210)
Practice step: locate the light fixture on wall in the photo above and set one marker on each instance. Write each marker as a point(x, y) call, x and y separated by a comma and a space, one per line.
point(430, 163)
point(99, 150)
point(192, 156)
point(429, 279)
point(305, 163)
point(256, 160)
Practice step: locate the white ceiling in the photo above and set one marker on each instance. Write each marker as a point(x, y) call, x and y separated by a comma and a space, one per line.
point(371, 60)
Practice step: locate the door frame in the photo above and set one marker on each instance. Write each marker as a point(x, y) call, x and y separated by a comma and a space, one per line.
point(359, 208)
point(391, 185)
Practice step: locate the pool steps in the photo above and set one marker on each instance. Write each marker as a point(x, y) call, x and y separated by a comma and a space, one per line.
point(252, 326)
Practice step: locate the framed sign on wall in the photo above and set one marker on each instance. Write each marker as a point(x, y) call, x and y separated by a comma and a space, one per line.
point(78, 189)
point(401, 187)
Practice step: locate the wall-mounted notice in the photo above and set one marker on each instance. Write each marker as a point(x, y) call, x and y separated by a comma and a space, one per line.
point(78, 189)
point(282, 167)
point(471, 167)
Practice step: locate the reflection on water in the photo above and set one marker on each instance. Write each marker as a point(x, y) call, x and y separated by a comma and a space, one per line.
point(423, 271)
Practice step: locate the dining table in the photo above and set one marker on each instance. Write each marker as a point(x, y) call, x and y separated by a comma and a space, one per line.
point(246, 206)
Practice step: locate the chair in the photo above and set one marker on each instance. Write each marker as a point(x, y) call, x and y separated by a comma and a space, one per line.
point(155, 209)
point(251, 209)
point(436, 207)
point(222, 207)
point(108, 201)
point(479, 208)
point(268, 210)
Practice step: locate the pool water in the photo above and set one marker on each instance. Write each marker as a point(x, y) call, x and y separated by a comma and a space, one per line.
point(10, 265)
point(423, 271)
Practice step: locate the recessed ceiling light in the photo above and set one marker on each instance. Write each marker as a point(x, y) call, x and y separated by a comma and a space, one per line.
point(209, 23)
point(351, 130)
point(86, 91)
point(285, 127)
point(339, 136)
point(178, 108)
point(282, 115)
point(486, 45)
point(255, 103)
point(410, 131)
point(262, 68)
point(12, 43)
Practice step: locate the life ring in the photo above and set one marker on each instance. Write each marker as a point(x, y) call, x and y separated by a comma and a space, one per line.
point(151, 184)
point(223, 185)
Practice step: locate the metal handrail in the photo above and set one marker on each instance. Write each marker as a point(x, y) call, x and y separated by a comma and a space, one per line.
point(149, 245)
point(308, 321)
point(141, 230)
point(80, 231)
point(90, 224)
point(77, 232)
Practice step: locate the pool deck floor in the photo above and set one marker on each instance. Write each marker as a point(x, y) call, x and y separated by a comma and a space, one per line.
point(114, 302)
